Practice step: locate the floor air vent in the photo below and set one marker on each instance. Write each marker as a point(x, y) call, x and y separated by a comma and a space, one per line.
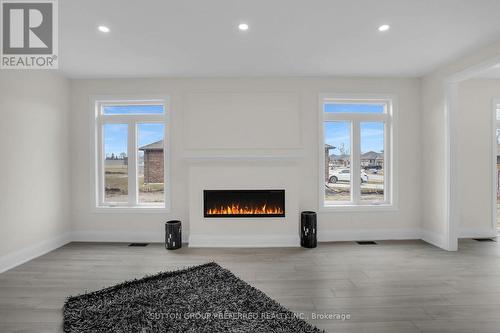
point(366, 243)
point(138, 244)
point(484, 239)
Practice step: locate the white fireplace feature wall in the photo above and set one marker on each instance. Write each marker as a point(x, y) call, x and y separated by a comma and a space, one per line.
point(243, 232)
point(239, 124)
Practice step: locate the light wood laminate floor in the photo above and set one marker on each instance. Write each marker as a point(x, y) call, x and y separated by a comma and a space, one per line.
point(396, 286)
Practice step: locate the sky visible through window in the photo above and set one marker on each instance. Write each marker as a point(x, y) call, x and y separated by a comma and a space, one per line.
point(337, 133)
point(358, 108)
point(132, 109)
point(149, 133)
point(115, 135)
point(115, 139)
point(372, 137)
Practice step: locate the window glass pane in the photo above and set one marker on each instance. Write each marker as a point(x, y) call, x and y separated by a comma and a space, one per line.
point(132, 109)
point(498, 112)
point(115, 162)
point(351, 107)
point(150, 162)
point(372, 161)
point(337, 161)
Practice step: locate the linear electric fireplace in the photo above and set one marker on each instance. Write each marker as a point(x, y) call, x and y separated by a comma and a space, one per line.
point(244, 203)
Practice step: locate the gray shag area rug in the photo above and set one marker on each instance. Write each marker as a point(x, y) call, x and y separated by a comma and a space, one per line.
point(205, 298)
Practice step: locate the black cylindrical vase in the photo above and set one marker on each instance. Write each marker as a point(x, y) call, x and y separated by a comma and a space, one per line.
point(308, 229)
point(173, 235)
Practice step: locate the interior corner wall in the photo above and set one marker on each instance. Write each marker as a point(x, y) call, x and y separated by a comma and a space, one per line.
point(474, 156)
point(436, 228)
point(432, 166)
point(185, 120)
point(34, 171)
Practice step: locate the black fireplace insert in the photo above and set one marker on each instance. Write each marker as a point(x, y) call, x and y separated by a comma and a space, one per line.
point(244, 203)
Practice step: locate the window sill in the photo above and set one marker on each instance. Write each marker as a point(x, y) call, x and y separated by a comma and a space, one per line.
point(131, 210)
point(358, 208)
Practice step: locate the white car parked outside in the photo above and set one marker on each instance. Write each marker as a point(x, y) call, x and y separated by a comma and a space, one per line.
point(344, 175)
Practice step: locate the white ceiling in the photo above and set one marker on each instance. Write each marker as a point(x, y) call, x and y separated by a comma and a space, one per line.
point(493, 73)
point(152, 38)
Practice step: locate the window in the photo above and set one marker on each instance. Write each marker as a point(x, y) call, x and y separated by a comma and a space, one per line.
point(131, 154)
point(356, 152)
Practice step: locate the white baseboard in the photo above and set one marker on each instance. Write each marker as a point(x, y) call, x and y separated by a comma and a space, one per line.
point(477, 233)
point(434, 239)
point(247, 240)
point(121, 237)
point(359, 235)
point(17, 258)
point(244, 241)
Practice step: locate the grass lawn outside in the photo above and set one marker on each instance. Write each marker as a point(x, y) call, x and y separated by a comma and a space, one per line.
point(116, 184)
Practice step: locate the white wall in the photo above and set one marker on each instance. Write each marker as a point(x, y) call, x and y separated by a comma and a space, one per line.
point(474, 155)
point(42, 189)
point(300, 126)
point(439, 221)
point(433, 162)
point(248, 232)
point(34, 173)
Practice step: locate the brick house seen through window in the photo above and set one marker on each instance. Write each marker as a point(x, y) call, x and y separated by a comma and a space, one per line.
point(153, 162)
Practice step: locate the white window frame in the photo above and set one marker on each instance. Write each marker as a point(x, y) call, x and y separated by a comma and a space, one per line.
point(132, 120)
point(390, 150)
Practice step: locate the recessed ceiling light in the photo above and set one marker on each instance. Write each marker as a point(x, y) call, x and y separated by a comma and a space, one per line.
point(103, 28)
point(243, 26)
point(384, 27)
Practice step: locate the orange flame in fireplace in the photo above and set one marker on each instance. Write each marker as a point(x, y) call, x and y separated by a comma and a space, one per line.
point(236, 209)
